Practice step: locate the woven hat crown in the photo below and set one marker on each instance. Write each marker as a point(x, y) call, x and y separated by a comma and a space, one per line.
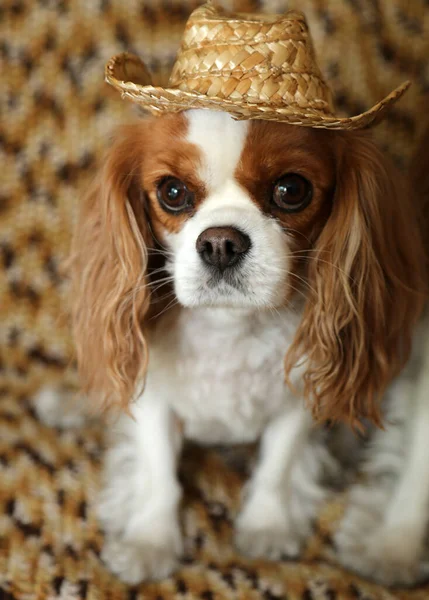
point(251, 66)
point(259, 60)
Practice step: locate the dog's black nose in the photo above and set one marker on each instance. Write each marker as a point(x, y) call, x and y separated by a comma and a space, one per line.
point(222, 247)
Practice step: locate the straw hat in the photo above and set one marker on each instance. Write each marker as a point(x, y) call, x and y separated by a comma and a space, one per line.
point(251, 66)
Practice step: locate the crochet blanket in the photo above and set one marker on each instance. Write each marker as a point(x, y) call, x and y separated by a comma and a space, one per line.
point(56, 114)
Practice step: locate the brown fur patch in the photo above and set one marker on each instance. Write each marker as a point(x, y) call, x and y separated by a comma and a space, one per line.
point(169, 154)
point(274, 149)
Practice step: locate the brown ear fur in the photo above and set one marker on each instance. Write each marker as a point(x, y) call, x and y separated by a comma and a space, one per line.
point(419, 178)
point(109, 272)
point(368, 281)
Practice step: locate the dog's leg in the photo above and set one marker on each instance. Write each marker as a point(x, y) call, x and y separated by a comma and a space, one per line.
point(283, 495)
point(383, 532)
point(138, 507)
point(407, 516)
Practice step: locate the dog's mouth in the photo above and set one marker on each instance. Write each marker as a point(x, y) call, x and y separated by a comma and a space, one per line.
point(228, 279)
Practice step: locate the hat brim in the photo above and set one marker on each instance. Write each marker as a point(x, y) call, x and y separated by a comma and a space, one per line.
point(129, 75)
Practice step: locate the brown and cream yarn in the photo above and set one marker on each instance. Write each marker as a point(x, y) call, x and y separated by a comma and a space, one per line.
point(55, 118)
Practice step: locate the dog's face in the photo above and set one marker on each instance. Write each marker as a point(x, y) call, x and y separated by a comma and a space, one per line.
point(236, 204)
point(246, 214)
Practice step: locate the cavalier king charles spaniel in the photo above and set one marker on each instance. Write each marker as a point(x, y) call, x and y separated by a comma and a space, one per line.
point(236, 281)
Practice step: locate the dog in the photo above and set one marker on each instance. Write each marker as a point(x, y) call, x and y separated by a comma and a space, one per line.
point(236, 281)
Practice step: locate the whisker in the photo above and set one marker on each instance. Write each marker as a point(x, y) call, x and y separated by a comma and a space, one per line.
point(160, 280)
point(165, 252)
point(154, 290)
point(145, 286)
point(309, 287)
point(306, 283)
point(288, 229)
point(305, 250)
point(275, 311)
point(157, 271)
point(303, 254)
point(164, 297)
point(171, 304)
point(331, 264)
point(298, 291)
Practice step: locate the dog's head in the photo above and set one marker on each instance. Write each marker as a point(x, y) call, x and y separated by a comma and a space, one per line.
point(257, 215)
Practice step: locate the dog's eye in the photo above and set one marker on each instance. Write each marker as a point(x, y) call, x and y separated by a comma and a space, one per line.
point(173, 195)
point(292, 193)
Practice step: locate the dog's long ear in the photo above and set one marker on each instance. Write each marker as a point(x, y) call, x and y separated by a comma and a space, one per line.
point(419, 179)
point(368, 281)
point(109, 270)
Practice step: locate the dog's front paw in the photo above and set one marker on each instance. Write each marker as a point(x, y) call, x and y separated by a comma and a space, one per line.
point(142, 534)
point(151, 553)
point(390, 554)
point(263, 528)
point(134, 563)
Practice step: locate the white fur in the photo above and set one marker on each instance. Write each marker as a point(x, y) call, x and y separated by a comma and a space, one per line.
point(225, 383)
point(138, 507)
point(215, 360)
point(282, 498)
point(221, 140)
point(383, 533)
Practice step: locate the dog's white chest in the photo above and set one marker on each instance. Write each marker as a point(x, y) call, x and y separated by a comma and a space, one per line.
point(222, 371)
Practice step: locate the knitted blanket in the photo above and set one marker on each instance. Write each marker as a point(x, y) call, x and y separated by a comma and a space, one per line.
point(56, 113)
